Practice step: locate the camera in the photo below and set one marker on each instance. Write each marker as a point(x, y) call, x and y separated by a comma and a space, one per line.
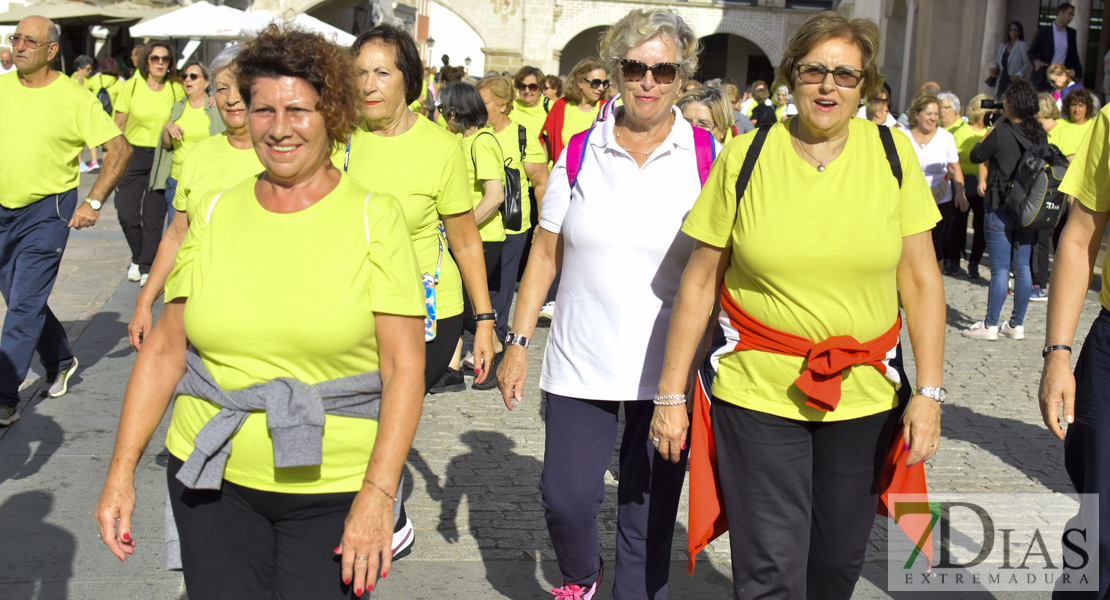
point(994, 112)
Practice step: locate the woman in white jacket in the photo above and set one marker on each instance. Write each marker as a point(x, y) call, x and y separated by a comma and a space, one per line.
point(1012, 62)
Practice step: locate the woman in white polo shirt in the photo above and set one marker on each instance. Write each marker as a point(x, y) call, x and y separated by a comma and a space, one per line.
point(638, 168)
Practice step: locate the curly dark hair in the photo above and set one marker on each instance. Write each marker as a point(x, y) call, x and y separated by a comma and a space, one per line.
point(1078, 96)
point(1021, 100)
point(406, 56)
point(284, 51)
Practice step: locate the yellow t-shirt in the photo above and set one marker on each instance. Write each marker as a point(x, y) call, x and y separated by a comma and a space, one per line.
point(213, 164)
point(147, 111)
point(43, 131)
point(1088, 179)
point(531, 117)
point(509, 140)
point(1067, 136)
point(261, 307)
point(195, 126)
point(966, 138)
point(576, 121)
point(812, 264)
point(442, 122)
point(109, 83)
point(424, 168)
point(484, 162)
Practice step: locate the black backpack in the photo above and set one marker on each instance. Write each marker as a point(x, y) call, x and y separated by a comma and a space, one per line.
point(105, 99)
point(1032, 195)
point(512, 212)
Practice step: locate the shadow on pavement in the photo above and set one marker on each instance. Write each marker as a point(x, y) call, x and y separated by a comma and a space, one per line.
point(34, 439)
point(47, 564)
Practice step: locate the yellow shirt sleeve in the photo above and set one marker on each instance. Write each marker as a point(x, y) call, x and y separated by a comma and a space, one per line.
point(1088, 177)
point(394, 270)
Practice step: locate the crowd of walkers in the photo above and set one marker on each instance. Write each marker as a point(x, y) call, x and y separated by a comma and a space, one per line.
point(338, 232)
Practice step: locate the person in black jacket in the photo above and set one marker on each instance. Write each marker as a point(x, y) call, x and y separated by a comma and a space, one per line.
point(1046, 49)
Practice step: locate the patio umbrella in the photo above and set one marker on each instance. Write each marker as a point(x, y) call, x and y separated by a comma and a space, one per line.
point(201, 20)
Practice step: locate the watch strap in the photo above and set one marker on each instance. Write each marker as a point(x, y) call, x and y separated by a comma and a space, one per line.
point(1047, 349)
point(936, 393)
point(519, 340)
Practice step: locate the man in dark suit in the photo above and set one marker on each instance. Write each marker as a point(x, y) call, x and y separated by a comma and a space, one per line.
point(1055, 44)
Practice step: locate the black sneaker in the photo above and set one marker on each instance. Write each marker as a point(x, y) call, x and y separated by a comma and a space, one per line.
point(451, 381)
point(973, 270)
point(491, 379)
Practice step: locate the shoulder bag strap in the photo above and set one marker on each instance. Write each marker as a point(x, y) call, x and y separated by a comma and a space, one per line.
point(705, 151)
point(749, 161)
point(891, 153)
point(576, 153)
point(522, 138)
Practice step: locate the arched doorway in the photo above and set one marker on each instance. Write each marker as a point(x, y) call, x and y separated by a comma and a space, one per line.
point(583, 45)
point(728, 56)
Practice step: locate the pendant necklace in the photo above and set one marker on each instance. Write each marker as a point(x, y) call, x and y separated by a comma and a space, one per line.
point(820, 163)
point(618, 136)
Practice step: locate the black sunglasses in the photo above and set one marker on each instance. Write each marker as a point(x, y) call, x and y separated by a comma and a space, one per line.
point(192, 76)
point(597, 83)
point(531, 87)
point(663, 73)
point(159, 58)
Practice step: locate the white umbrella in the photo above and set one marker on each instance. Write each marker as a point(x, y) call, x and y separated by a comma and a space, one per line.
point(201, 20)
point(310, 23)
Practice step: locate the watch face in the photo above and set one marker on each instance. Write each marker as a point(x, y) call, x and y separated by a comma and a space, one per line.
point(95, 204)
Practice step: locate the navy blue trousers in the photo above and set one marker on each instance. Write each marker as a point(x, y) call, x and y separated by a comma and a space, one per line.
point(32, 240)
point(580, 435)
point(1087, 444)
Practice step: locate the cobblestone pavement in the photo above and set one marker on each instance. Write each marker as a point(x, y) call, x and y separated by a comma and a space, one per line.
point(471, 476)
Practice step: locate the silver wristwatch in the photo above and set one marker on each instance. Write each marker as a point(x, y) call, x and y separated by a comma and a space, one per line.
point(94, 203)
point(936, 393)
point(519, 340)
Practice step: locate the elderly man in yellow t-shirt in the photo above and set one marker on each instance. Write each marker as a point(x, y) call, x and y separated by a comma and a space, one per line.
point(45, 121)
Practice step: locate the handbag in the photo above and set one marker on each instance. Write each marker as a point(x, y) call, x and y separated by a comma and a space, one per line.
point(512, 212)
point(992, 81)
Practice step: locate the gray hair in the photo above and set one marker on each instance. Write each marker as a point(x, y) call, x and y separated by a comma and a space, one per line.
point(641, 25)
point(949, 96)
point(224, 59)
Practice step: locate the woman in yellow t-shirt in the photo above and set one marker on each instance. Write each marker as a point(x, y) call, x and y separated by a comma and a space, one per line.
point(299, 277)
point(576, 110)
point(142, 110)
point(466, 115)
point(823, 243)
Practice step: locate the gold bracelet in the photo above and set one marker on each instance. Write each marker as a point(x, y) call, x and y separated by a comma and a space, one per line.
point(381, 489)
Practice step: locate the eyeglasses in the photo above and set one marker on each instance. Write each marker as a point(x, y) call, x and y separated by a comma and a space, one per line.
point(663, 73)
point(193, 76)
point(845, 78)
point(30, 43)
point(597, 83)
point(706, 125)
point(160, 58)
point(1015, 30)
point(528, 87)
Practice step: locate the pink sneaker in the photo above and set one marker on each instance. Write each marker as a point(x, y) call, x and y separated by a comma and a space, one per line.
point(576, 592)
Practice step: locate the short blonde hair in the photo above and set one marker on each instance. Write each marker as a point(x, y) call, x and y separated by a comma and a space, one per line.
point(827, 25)
point(732, 92)
point(641, 25)
point(975, 110)
point(714, 99)
point(501, 88)
point(1046, 106)
point(920, 101)
point(572, 91)
point(1059, 69)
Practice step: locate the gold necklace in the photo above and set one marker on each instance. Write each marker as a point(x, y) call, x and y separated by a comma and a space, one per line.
point(618, 135)
point(820, 163)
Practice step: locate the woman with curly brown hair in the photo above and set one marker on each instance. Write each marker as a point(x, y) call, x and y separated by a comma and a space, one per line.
point(291, 423)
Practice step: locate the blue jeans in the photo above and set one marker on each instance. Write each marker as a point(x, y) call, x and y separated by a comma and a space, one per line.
point(171, 191)
point(1008, 247)
point(32, 240)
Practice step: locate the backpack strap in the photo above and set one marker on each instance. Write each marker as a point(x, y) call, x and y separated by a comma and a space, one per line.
point(546, 104)
point(706, 152)
point(891, 153)
point(522, 139)
point(749, 161)
point(576, 153)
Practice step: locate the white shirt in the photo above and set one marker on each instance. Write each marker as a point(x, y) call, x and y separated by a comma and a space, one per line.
point(890, 120)
point(623, 256)
point(1059, 44)
point(3, 70)
point(935, 158)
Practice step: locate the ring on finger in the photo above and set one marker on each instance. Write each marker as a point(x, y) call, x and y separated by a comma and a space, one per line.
point(655, 441)
point(362, 558)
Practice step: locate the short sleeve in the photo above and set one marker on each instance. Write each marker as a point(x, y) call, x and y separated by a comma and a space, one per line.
point(533, 150)
point(95, 126)
point(395, 284)
point(713, 216)
point(454, 186)
point(184, 187)
point(951, 151)
point(179, 283)
point(488, 161)
point(1088, 177)
point(123, 99)
point(556, 197)
point(917, 209)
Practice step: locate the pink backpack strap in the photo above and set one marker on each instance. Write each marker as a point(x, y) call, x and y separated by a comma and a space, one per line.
point(706, 152)
point(576, 153)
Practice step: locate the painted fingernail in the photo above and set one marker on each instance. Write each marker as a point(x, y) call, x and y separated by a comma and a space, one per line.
point(369, 588)
point(683, 445)
point(358, 592)
point(338, 549)
point(905, 446)
point(386, 574)
point(477, 372)
point(347, 581)
point(126, 537)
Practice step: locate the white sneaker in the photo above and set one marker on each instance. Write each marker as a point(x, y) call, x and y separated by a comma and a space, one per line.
point(133, 272)
point(142, 279)
point(8, 415)
point(548, 311)
point(1014, 332)
point(979, 331)
point(403, 539)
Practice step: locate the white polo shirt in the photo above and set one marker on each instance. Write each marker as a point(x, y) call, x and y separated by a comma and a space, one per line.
point(935, 158)
point(623, 256)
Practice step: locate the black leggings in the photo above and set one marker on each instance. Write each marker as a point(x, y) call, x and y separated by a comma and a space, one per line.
point(239, 543)
point(438, 352)
point(491, 251)
point(141, 210)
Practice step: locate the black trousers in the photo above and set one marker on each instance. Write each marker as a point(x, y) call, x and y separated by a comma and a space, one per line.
point(239, 543)
point(491, 251)
point(141, 210)
point(958, 229)
point(800, 498)
point(438, 352)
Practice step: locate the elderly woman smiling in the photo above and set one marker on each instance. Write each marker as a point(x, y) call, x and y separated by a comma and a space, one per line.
point(818, 248)
point(291, 423)
point(599, 360)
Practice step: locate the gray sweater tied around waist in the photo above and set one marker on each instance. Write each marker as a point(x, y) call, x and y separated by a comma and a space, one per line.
point(294, 415)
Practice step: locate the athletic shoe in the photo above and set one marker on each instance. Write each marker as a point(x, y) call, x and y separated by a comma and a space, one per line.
point(403, 539)
point(576, 592)
point(468, 363)
point(451, 381)
point(84, 168)
point(1014, 332)
point(1039, 294)
point(133, 272)
point(979, 331)
point(491, 379)
point(973, 270)
point(8, 415)
point(60, 385)
point(952, 267)
point(94, 167)
point(142, 279)
point(548, 311)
